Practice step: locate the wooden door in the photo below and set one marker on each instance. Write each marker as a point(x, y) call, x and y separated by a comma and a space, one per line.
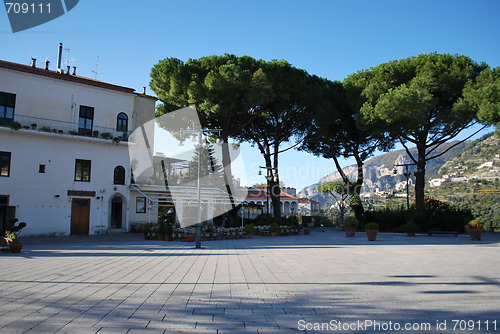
point(80, 216)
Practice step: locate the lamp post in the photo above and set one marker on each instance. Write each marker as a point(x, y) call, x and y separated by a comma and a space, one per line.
point(407, 174)
point(198, 184)
point(268, 178)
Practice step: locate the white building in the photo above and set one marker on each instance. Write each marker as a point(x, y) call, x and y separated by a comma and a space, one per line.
point(259, 201)
point(64, 161)
point(308, 207)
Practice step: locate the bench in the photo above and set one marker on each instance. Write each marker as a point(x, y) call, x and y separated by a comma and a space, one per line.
point(455, 233)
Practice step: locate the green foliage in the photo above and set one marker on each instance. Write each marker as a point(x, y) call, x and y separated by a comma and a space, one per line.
point(274, 227)
point(410, 228)
point(484, 96)
point(264, 219)
point(106, 135)
point(389, 218)
point(10, 235)
point(420, 100)
point(165, 227)
point(350, 221)
point(371, 226)
point(476, 223)
point(306, 220)
point(249, 228)
point(15, 125)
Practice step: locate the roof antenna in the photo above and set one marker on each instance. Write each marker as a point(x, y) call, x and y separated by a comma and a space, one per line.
point(96, 72)
point(69, 62)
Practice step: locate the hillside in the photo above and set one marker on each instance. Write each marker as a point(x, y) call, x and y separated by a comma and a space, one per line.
point(479, 160)
point(378, 171)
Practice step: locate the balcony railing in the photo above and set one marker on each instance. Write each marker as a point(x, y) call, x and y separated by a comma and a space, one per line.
point(69, 128)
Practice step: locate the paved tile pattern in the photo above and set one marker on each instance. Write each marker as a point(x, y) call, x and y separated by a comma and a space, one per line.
point(300, 284)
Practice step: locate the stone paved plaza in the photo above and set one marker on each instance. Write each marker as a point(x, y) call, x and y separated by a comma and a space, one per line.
point(321, 283)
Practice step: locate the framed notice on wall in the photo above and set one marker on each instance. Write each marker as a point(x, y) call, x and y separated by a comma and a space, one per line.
point(140, 205)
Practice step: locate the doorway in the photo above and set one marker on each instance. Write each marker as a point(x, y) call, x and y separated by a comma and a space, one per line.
point(80, 216)
point(116, 212)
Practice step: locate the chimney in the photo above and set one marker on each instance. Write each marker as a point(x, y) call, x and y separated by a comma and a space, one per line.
point(59, 58)
point(74, 70)
point(33, 62)
point(144, 90)
point(47, 63)
point(68, 69)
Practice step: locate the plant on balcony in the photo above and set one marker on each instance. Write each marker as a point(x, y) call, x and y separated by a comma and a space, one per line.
point(33, 126)
point(15, 126)
point(46, 129)
point(106, 135)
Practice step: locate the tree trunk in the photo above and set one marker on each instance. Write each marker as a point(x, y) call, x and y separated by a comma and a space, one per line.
point(420, 182)
point(226, 163)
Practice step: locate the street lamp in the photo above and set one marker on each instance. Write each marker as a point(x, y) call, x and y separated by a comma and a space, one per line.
point(199, 133)
point(406, 174)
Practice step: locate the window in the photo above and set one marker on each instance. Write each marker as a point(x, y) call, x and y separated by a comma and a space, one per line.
point(86, 121)
point(7, 105)
point(122, 122)
point(119, 175)
point(140, 205)
point(5, 164)
point(82, 170)
point(41, 169)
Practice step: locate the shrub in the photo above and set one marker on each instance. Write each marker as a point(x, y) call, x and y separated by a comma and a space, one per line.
point(249, 228)
point(371, 226)
point(410, 228)
point(350, 221)
point(274, 227)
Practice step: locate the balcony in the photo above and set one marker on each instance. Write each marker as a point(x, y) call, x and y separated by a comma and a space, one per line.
point(63, 128)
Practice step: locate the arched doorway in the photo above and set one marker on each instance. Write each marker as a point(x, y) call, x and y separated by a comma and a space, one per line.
point(117, 214)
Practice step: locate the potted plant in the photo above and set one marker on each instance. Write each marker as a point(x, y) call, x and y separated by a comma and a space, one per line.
point(15, 245)
point(274, 228)
point(146, 229)
point(350, 226)
point(165, 231)
point(371, 230)
point(33, 126)
point(475, 229)
point(249, 230)
point(410, 229)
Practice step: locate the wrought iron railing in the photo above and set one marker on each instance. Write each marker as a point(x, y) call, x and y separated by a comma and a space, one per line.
point(61, 127)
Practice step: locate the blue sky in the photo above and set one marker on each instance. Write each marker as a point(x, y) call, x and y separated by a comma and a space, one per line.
point(328, 38)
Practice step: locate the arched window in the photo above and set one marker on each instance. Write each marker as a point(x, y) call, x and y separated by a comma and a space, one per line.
point(119, 175)
point(122, 122)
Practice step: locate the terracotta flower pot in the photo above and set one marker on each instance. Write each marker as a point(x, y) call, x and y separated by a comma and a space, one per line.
point(250, 235)
point(307, 232)
point(190, 238)
point(15, 246)
point(274, 234)
point(350, 231)
point(371, 234)
point(475, 233)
